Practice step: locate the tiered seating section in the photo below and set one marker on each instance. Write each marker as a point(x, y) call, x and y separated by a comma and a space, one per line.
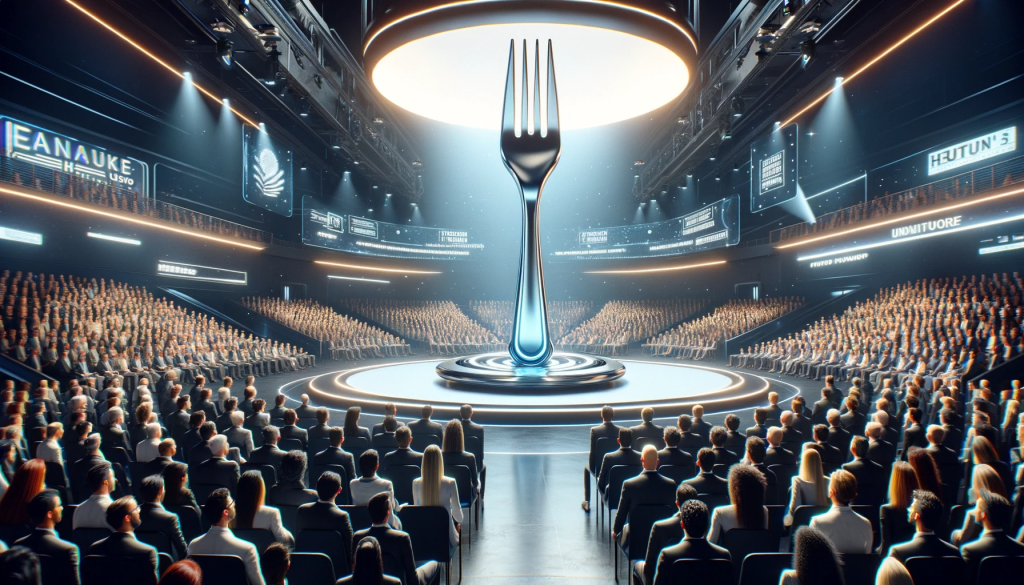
point(563, 316)
point(620, 323)
point(441, 324)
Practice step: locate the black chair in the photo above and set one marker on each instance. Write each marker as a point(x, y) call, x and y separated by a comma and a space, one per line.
point(316, 445)
point(158, 540)
point(188, 518)
point(688, 571)
point(288, 515)
point(713, 501)
point(721, 470)
point(328, 542)
point(268, 473)
point(306, 423)
point(86, 537)
point(345, 497)
point(289, 444)
point(872, 514)
point(421, 442)
point(66, 523)
point(260, 537)
point(401, 477)
point(613, 491)
point(164, 562)
point(57, 479)
point(656, 442)
point(860, 569)
point(678, 473)
point(742, 542)
point(803, 514)
point(312, 568)
point(427, 527)
point(641, 519)
point(356, 446)
point(221, 569)
point(97, 570)
point(776, 519)
point(123, 487)
point(467, 495)
point(475, 446)
point(784, 475)
point(11, 532)
point(938, 570)
point(771, 493)
point(956, 519)
point(996, 569)
point(202, 491)
point(764, 568)
point(359, 516)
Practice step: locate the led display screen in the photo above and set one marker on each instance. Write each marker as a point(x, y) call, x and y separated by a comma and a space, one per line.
point(266, 172)
point(203, 273)
point(773, 168)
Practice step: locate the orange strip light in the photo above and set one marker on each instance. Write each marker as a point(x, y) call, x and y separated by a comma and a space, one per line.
point(665, 269)
point(126, 218)
point(375, 268)
point(904, 218)
point(158, 60)
point(881, 56)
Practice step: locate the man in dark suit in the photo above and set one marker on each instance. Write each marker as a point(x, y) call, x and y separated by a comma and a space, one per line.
point(723, 456)
point(205, 405)
point(625, 455)
point(926, 514)
point(424, 426)
point(648, 488)
point(954, 438)
point(193, 436)
point(334, 454)
point(773, 412)
point(690, 442)
point(734, 441)
point(831, 456)
point(290, 431)
point(759, 429)
point(664, 533)
point(223, 421)
point(694, 518)
point(700, 427)
point(872, 478)
point(706, 482)
point(180, 417)
point(277, 413)
point(837, 435)
point(320, 429)
point(820, 413)
point(647, 429)
point(801, 418)
point(111, 431)
point(672, 454)
point(403, 455)
point(202, 451)
point(304, 410)
point(775, 454)
point(290, 489)
point(324, 514)
point(217, 470)
point(606, 429)
point(154, 518)
point(994, 513)
point(269, 453)
point(471, 429)
point(156, 466)
point(853, 420)
point(914, 435)
point(123, 515)
point(396, 544)
point(946, 459)
point(45, 511)
point(879, 451)
point(792, 439)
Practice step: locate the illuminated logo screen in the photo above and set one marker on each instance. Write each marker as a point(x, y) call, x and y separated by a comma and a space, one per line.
point(32, 144)
point(266, 172)
point(21, 236)
point(773, 168)
point(972, 151)
point(203, 273)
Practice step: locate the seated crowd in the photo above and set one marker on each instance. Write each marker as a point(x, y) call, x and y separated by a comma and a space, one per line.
point(620, 323)
point(855, 479)
point(192, 475)
point(74, 328)
point(937, 330)
point(699, 339)
point(349, 338)
point(441, 324)
point(563, 316)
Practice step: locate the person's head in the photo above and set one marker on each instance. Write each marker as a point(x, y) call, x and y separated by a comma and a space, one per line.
point(820, 433)
point(205, 394)
point(694, 518)
point(746, 492)
point(220, 508)
point(775, 435)
point(368, 565)
point(994, 511)
point(893, 572)
point(379, 508)
point(466, 412)
point(982, 451)
point(833, 417)
point(797, 405)
point(842, 487)
point(706, 460)
point(352, 417)
point(293, 467)
point(45, 509)
point(251, 493)
point(390, 424)
point(123, 515)
point(183, 572)
point(926, 470)
point(607, 413)
point(811, 471)
point(873, 430)
point(815, 558)
point(649, 458)
point(935, 434)
point(368, 462)
point(258, 405)
point(431, 472)
point(289, 417)
point(453, 441)
point(322, 415)
point(328, 486)
point(196, 419)
point(274, 563)
point(756, 450)
point(698, 411)
point(175, 479)
point(426, 412)
point(219, 446)
point(902, 483)
point(773, 398)
point(280, 399)
point(336, 436)
point(685, 492)
point(228, 382)
point(208, 430)
point(249, 392)
point(151, 489)
point(237, 418)
point(230, 404)
point(985, 479)
point(271, 435)
point(672, 436)
point(786, 418)
point(153, 431)
point(760, 415)
point(685, 423)
point(403, 436)
point(647, 414)
point(732, 422)
point(718, 436)
point(925, 511)
point(20, 566)
point(100, 479)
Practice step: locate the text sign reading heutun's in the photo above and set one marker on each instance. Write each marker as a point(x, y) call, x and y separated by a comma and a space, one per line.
point(972, 151)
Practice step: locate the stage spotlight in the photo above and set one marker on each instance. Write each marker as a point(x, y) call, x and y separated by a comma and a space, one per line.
point(839, 80)
point(737, 107)
point(224, 52)
point(736, 168)
point(226, 102)
point(187, 75)
point(303, 167)
point(272, 67)
point(807, 51)
point(304, 109)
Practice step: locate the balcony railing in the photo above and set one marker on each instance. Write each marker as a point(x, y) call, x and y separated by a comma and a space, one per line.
point(962, 186)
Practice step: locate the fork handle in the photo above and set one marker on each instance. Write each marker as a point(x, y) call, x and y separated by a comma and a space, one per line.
point(530, 345)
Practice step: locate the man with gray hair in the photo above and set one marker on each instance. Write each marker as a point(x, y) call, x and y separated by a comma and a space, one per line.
point(838, 437)
point(775, 454)
point(217, 470)
point(880, 451)
point(946, 459)
point(269, 453)
point(149, 448)
point(110, 429)
point(238, 436)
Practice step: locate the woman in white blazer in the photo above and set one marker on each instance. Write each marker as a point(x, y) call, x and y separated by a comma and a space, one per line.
point(432, 488)
point(746, 491)
point(250, 513)
point(810, 488)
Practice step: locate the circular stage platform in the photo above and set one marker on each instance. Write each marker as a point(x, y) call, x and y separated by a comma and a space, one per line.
point(667, 386)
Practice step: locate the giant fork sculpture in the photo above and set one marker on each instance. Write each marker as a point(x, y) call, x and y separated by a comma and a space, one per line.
point(530, 156)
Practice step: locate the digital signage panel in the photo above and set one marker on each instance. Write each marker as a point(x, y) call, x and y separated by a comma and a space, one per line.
point(773, 169)
point(266, 172)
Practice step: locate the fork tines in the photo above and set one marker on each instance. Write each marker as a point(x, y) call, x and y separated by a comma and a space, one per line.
point(508, 123)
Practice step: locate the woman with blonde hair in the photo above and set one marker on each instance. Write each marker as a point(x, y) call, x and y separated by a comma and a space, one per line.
point(927, 472)
point(432, 488)
point(983, 479)
point(892, 572)
point(453, 450)
point(983, 452)
point(810, 488)
point(895, 526)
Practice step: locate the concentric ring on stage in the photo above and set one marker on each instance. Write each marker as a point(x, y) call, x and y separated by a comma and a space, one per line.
point(562, 371)
point(670, 386)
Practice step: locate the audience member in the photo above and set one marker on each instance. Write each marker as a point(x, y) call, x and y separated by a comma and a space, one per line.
point(432, 488)
point(251, 512)
point(815, 560)
point(849, 532)
point(218, 540)
point(694, 520)
point(747, 511)
point(123, 516)
point(395, 543)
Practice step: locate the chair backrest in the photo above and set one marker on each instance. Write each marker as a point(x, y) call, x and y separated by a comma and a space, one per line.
point(260, 537)
point(427, 527)
point(288, 515)
point(188, 518)
point(784, 474)
point(345, 497)
point(713, 501)
point(741, 542)
point(602, 447)
point(202, 491)
point(86, 537)
point(11, 532)
point(421, 442)
point(475, 446)
point(641, 519)
point(616, 477)
point(356, 446)
point(956, 519)
point(938, 569)
point(306, 423)
point(158, 540)
point(996, 569)
point(311, 567)
point(401, 477)
point(803, 514)
point(861, 569)
point(98, 570)
point(764, 568)
point(316, 445)
point(688, 571)
point(66, 522)
point(221, 569)
point(164, 562)
point(328, 542)
point(289, 444)
point(55, 477)
point(359, 516)
point(463, 483)
point(677, 473)
point(266, 470)
point(656, 442)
